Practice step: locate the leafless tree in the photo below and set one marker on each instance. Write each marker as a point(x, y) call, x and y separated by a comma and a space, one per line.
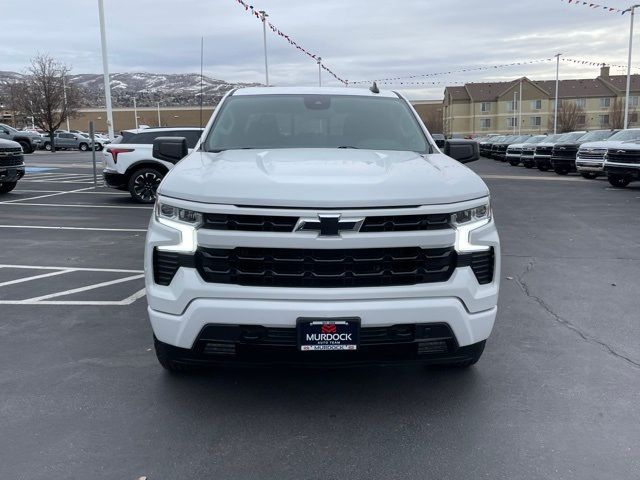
point(616, 113)
point(570, 116)
point(433, 120)
point(46, 95)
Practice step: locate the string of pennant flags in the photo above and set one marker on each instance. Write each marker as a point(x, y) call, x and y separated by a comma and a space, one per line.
point(462, 70)
point(292, 42)
point(598, 6)
point(593, 64)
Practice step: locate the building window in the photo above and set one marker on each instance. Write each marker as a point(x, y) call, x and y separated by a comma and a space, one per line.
point(633, 118)
point(535, 121)
point(536, 105)
point(604, 120)
point(485, 123)
point(581, 120)
point(512, 106)
point(605, 102)
point(512, 121)
point(581, 102)
point(485, 107)
point(633, 101)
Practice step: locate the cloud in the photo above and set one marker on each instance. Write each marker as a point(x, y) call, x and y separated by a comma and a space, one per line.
point(357, 39)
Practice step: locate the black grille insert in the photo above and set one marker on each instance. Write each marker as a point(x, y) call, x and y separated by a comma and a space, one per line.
point(249, 223)
point(14, 161)
point(405, 223)
point(272, 267)
point(623, 156)
point(165, 266)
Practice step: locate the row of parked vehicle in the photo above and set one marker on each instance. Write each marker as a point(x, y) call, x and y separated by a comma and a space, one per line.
point(614, 153)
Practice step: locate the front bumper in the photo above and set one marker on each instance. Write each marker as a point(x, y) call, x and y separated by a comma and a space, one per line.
point(114, 179)
point(564, 162)
point(180, 310)
point(631, 170)
point(589, 165)
point(11, 174)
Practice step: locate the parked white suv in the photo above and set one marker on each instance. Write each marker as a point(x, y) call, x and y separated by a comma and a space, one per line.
point(322, 226)
point(129, 164)
point(591, 155)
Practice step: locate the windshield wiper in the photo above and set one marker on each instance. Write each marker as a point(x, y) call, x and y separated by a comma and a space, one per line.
point(347, 146)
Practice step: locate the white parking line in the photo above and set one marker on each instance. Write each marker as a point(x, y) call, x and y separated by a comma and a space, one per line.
point(73, 269)
point(34, 277)
point(70, 191)
point(115, 303)
point(91, 229)
point(80, 205)
point(84, 289)
point(523, 177)
point(46, 195)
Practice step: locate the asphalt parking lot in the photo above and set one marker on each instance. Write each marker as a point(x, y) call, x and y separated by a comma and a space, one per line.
point(555, 396)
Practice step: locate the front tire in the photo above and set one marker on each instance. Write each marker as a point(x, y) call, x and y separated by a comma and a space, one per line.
point(514, 163)
point(619, 181)
point(561, 170)
point(143, 184)
point(589, 175)
point(7, 187)
point(26, 147)
point(47, 146)
point(83, 147)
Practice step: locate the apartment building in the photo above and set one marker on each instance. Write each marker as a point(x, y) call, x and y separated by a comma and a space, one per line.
point(528, 105)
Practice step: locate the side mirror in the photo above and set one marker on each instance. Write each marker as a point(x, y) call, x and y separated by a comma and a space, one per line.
point(170, 149)
point(464, 151)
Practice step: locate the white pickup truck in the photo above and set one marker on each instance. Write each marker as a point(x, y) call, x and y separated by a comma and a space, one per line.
point(320, 226)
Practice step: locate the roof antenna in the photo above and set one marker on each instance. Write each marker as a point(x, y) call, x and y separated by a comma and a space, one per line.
point(374, 88)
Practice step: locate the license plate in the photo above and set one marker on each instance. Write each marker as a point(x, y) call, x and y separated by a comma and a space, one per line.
point(328, 334)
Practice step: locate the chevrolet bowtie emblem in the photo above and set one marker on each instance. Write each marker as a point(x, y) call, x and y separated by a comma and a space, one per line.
point(329, 224)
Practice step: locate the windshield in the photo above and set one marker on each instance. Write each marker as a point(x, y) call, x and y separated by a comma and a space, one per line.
point(596, 136)
point(625, 136)
point(570, 137)
point(11, 129)
point(315, 121)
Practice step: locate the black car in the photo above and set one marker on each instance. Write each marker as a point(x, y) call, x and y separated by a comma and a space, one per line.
point(499, 150)
point(563, 155)
point(487, 143)
point(11, 165)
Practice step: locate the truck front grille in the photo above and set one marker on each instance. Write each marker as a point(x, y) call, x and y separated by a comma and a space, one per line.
point(543, 150)
point(13, 161)
point(250, 223)
point(623, 156)
point(271, 267)
point(591, 154)
point(565, 151)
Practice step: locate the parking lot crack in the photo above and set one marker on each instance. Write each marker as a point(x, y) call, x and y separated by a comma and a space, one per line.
point(519, 279)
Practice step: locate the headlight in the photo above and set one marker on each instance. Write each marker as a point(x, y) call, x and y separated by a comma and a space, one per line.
point(182, 215)
point(468, 220)
point(181, 219)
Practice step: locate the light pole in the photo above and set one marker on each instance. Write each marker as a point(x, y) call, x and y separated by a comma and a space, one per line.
point(135, 111)
point(631, 9)
point(520, 110)
point(555, 105)
point(319, 71)
point(263, 17)
point(159, 115)
point(513, 119)
point(64, 92)
point(105, 68)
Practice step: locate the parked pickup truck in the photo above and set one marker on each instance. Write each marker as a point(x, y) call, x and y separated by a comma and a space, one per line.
point(622, 163)
point(320, 226)
point(590, 158)
point(544, 150)
point(11, 165)
point(515, 151)
point(563, 156)
point(71, 141)
point(29, 141)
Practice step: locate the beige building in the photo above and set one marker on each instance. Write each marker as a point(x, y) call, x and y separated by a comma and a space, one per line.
point(494, 107)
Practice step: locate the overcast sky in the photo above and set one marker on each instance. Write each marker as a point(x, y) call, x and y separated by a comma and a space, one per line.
point(357, 39)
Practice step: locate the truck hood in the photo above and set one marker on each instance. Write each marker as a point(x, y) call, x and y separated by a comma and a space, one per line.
point(607, 144)
point(321, 178)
